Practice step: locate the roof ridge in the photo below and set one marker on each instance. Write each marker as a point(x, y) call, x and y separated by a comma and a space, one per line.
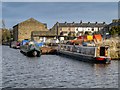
point(31, 19)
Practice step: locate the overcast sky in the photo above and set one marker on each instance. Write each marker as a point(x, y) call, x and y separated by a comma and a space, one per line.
point(51, 12)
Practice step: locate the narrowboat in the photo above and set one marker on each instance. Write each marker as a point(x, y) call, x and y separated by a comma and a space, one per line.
point(15, 44)
point(30, 49)
point(97, 54)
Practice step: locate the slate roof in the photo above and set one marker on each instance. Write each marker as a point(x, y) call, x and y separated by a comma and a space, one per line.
point(31, 19)
point(43, 33)
point(81, 24)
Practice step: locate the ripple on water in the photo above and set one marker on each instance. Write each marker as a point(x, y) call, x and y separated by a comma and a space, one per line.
point(52, 71)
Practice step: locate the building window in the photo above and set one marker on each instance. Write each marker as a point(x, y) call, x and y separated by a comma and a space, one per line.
point(60, 29)
point(68, 28)
point(92, 29)
point(61, 33)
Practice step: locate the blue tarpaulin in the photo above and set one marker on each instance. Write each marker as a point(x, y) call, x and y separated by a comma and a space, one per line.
point(24, 42)
point(40, 44)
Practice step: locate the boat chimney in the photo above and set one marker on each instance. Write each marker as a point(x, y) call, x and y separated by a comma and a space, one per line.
point(88, 22)
point(96, 22)
point(103, 22)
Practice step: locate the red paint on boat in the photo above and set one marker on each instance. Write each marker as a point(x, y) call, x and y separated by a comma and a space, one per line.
point(100, 59)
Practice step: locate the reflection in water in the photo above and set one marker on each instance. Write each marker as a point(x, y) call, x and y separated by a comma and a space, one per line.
point(52, 71)
point(100, 69)
point(106, 73)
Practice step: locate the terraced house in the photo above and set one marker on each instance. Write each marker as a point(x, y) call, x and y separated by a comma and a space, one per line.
point(75, 29)
point(24, 29)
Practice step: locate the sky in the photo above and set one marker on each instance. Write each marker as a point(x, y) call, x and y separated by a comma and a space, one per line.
point(60, 1)
point(52, 12)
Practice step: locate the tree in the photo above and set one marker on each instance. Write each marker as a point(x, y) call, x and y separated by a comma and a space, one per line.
point(115, 30)
point(3, 24)
point(5, 35)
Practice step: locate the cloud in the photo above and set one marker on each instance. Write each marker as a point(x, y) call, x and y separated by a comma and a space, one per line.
point(51, 12)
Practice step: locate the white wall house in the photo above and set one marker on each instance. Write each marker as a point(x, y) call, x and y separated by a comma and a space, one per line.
point(88, 29)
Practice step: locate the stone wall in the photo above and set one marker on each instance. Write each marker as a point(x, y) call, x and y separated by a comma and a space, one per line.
point(25, 28)
point(114, 44)
point(15, 33)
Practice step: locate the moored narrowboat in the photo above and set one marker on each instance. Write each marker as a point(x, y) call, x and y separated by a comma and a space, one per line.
point(15, 44)
point(30, 49)
point(99, 54)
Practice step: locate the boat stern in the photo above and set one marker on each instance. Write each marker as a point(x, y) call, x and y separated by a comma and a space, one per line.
point(103, 59)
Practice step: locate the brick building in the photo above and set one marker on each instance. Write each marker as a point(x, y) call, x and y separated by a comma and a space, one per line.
point(43, 35)
point(23, 30)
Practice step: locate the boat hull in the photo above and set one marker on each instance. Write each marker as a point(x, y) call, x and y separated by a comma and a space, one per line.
point(32, 53)
point(82, 57)
point(29, 50)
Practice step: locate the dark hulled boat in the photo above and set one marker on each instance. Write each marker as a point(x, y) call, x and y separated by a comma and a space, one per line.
point(30, 49)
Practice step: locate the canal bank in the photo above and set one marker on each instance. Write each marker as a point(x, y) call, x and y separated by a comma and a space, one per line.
point(52, 71)
point(114, 44)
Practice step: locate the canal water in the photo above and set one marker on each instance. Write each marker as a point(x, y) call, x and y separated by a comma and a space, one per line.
point(54, 71)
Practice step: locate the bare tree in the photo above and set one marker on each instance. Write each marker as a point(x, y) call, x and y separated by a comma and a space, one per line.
point(3, 24)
